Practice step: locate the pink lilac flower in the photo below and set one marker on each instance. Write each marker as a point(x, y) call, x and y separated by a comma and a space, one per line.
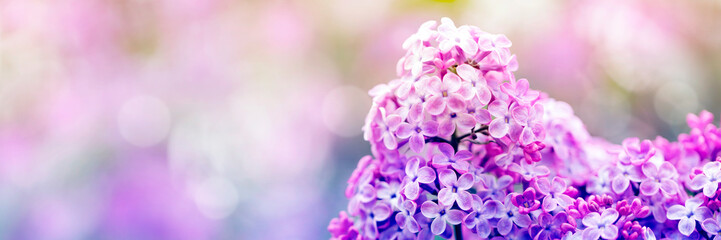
point(477, 82)
point(441, 215)
point(449, 157)
point(415, 131)
point(530, 119)
point(624, 176)
point(342, 227)
point(518, 90)
point(553, 192)
point(688, 215)
point(389, 192)
point(601, 225)
point(455, 190)
point(709, 180)
point(658, 178)
point(452, 37)
point(497, 45)
point(636, 152)
point(380, 212)
point(704, 119)
point(526, 202)
point(445, 94)
point(450, 120)
point(500, 125)
point(415, 175)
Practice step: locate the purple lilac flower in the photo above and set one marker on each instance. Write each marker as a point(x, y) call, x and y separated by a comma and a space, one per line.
point(415, 175)
point(658, 178)
point(500, 125)
point(455, 190)
point(448, 157)
point(478, 219)
point(601, 225)
point(494, 188)
point(452, 37)
point(529, 170)
point(387, 125)
point(450, 120)
point(713, 226)
point(518, 90)
point(549, 227)
point(688, 215)
point(389, 192)
point(441, 215)
point(477, 82)
point(709, 180)
point(508, 216)
point(553, 192)
point(405, 218)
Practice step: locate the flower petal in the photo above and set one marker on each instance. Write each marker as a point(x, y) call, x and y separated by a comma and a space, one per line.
point(498, 128)
point(592, 219)
point(445, 196)
point(698, 182)
point(504, 226)
point(438, 226)
point(412, 191)
point(465, 200)
point(710, 225)
point(677, 212)
point(417, 142)
point(412, 167)
point(426, 175)
point(455, 217)
point(447, 177)
point(549, 204)
point(620, 184)
point(686, 226)
point(649, 169)
point(430, 209)
point(649, 187)
point(465, 181)
point(435, 105)
point(609, 232)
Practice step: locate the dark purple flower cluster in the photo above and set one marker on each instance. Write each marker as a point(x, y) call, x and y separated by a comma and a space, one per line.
point(462, 149)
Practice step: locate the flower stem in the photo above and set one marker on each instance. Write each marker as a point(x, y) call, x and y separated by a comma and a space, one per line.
point(457, 232)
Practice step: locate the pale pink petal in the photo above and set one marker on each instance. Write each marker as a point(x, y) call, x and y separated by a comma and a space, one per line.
point(430, 128)
point(452, 82)
point(620, 184)
point(668, 186)
point(405, 130)
point(467, 72)
point(435, 105)
point(666, 170)
point(698, 182)
point(417, 141)
point(649, 187)
point(412, 167)
point(649, 169)
point(498, 128)
point(446, 149)
point(483, 116)
point(465, 121)
point(677, 212)
point(592, 219)
point(609, 232)
point(456, 102)
point(710, 189)
point(549, 204)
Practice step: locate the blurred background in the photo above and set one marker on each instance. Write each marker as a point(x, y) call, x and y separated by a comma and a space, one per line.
point(219, 119)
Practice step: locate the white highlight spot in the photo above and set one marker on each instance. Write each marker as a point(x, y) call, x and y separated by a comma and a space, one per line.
point(344, 109)
point(144, 121)
point(216, 197)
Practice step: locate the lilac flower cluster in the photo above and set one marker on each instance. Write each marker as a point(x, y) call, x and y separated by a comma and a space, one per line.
point(463, 149)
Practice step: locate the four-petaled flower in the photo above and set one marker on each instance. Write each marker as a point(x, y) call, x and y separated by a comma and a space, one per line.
point(601, 225)
point(688, 215)
point(415, 175)
point(636, 152)
point(478, 219)
point(387, 125)
point(456, 160)
point(405, 218)
point(526, 202)
point(529, 170)
point(501, 123)
point(455, 190)
point(623, 177)
point(445, 93)
point(452, 37)
point(658, 178)
point(554, 193)
point(709, 180)
point(441, 215)
point(549, 227)
point(416, 130)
